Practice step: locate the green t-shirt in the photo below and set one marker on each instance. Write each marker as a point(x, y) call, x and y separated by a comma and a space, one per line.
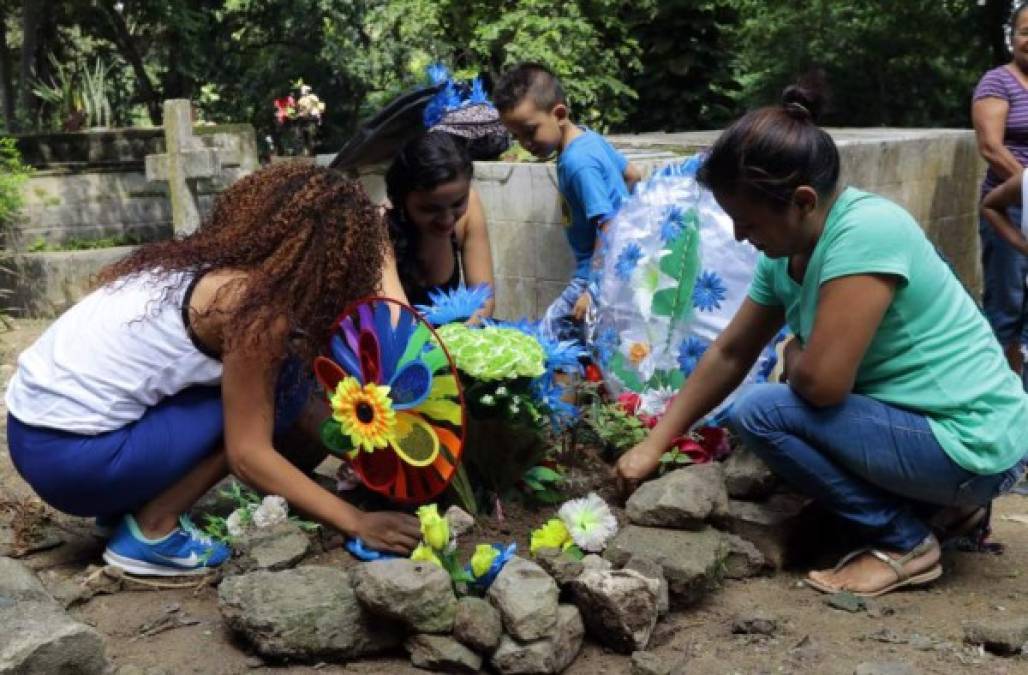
point(933, 353)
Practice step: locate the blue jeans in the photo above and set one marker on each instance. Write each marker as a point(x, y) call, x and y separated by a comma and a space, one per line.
point(873, 465)
point(1004, 270)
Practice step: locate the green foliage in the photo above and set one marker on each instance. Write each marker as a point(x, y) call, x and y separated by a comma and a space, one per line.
point(545, 485)
point(911, 63)
point(13, 175)
point(671, 460)
point(617, 429)
point(41, 245)
point(687, 80)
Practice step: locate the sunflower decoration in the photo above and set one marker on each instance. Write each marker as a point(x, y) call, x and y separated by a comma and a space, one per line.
point(397, 408)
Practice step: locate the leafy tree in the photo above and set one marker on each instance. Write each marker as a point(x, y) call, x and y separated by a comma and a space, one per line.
point(909, 63)
point(687, 80)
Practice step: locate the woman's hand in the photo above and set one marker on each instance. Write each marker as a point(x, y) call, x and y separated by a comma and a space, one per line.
point(389, 531)
point(636, 465)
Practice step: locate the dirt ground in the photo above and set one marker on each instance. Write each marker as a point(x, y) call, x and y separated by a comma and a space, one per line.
point(921, 628)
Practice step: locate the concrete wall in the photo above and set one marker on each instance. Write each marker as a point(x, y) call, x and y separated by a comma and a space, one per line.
point(934, 173)
point(91, 185)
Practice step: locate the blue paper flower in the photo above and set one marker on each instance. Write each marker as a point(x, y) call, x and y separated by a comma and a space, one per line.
point(709, 291)
point(605, 344)
point(478, 94)
point(454, 305)
point(689, 353)
point(504, 554)
point(673, 224)
point(437, 73)
point(627, 260)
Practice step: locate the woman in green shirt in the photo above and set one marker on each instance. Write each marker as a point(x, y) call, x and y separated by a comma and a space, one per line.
point(897, 401)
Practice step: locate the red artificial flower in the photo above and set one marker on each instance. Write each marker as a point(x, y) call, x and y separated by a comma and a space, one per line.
point(715, 441)
point(284, 108)
point(629, 401)
point(593, 374)
point(649, 421)
point(696, 452)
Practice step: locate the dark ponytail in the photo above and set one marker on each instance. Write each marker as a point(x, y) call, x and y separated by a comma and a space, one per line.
point(425, 163)
point(772, 151)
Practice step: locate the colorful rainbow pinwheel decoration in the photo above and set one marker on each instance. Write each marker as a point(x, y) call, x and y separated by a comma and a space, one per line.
point(397, 407)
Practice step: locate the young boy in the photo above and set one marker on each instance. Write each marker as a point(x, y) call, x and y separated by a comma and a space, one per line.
point(592, 177)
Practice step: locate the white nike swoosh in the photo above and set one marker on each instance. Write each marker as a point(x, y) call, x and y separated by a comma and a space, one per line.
point(191, 561)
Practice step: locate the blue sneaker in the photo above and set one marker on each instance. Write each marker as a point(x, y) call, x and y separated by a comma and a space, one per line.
point(185, 550)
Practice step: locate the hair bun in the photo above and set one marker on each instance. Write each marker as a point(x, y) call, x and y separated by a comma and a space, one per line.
point(802, 102)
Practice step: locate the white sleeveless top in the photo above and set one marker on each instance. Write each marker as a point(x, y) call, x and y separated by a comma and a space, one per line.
point(109, 358)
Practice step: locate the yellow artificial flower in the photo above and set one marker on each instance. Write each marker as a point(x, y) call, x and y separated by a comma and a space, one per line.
point(482, 559)
point(554, 534)
point(365, 414)
point(434, 528)
point(424, 554)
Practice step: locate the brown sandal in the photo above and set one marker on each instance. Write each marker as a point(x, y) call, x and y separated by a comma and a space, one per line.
point(896, 564)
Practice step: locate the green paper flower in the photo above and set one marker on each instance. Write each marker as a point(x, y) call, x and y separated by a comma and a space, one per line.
point(493, 353)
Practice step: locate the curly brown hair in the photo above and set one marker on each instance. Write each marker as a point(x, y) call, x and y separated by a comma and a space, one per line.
point(309, 239)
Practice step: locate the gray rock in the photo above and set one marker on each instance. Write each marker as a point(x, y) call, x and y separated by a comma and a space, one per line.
point(885, 668)
point(648, 663)
point(131, 669)
point(269, 548)
point(308, 614)
point(846, 601)
point(442, 653)
point(1004, 636)
point(551, 655)
point(563, 568)
point(36, 635)
point(477, 624)
point(527, 599)
point(652, 570)
point(775, 527)
point(595, 562)
point(684, 499)
point(744, 559)
point(27, 529)
point(417, 594)
point(755, 624)
point(459, 520)
point(691, 561)
point(747, 476)
point(619, 607)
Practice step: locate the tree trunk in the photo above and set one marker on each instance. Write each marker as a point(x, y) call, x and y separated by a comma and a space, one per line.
point(997, 12)
point(122, 39)
point(6, 77)
point(33, 16)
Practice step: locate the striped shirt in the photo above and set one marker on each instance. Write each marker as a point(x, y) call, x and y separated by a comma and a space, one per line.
point(1001, 83)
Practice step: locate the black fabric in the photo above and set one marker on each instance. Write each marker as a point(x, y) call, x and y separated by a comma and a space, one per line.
point(417, 294)
point(193, 337)
point(381, 137)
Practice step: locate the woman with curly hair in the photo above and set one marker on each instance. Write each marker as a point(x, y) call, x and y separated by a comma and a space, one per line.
point(184, 365)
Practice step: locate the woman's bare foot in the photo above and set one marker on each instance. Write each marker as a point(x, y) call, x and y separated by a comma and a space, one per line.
point(866, 574)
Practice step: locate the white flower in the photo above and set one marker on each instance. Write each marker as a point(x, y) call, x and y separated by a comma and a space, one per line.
point(501, 391)
point(236, 523)
point(272, 511)
point(487, 399)
point(589, 521)
point(654, 402)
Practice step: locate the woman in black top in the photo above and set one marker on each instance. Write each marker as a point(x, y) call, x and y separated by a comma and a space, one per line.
point(436, 221)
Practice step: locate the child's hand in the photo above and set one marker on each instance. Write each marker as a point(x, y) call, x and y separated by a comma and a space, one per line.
point(389, 531)
point(581, 306)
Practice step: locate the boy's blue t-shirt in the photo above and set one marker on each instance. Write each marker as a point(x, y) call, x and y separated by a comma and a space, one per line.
point(590, 177)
